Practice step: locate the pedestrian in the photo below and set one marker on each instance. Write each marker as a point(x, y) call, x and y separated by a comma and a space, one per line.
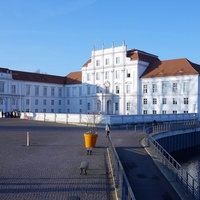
point(107, 130)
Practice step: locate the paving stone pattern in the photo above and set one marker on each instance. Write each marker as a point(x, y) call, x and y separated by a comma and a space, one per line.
point(49, 167)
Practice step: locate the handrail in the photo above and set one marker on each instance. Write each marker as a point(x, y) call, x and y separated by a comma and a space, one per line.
point(121, 183)
point(189, 183)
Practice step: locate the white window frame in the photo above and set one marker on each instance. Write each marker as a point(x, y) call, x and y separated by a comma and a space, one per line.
point(174, 87)
point(107, 75)
point(164, 100)
point(145, 88)
point(145, 101)
point(107, 61)
point(154, 88)
point(128, 89)
point(117, 60)
point(154, 101)
point(174, 101)
point(97, 63)
point(117, 74)
point(186, 100)
point(128, 73)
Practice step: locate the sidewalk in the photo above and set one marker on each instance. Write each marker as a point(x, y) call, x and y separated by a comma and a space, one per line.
point(145, 178)
point(49, 167)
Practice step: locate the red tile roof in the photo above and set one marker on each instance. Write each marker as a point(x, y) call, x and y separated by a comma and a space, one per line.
point(74, 78)
point(135, 54)
point(176, 67)
point(86, 64)
point(71, 78)
point(37, 77)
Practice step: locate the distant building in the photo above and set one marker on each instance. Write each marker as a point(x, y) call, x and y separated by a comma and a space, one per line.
point(114, 81)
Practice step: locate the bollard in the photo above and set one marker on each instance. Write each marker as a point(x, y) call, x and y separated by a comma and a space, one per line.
point(27, 139)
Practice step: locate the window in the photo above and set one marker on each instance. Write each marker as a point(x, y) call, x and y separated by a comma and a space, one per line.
point(174, 111)
point(174, 100)
point(52, 110)
point(59, 102)
point(27, 101)
point(128, 89)
point(154, 87)
point(13, 101)
point(116, 106)
point(74, 91)
point(52, 102)
point(128, 73)
point(154, 100)
point(144, 101)
point(1, 87)
point(185, 100)
point(44, 110)
point(186, 87)
point(68, 102)
point(164, 112)
point(98, 105)
point(185, 111)
point(68, 92)
point(174, 87)
point(36, 101)
point(164, 100)
point(97, 75)
point(88, 77)
point(44, 102)
point(154, 112)
point(88, 90)
point(145, 88)
point(145, 112)
point(107, 89)
point(36, 110)
point(117, 89)
point(44, 91)
point(80, 91)
point(13, 89)
point(107, 61)
point(164, 87)
point(1, 101)
point(59, 92)
point(52, 91)
point(28, 89)
point(97, 89)
point(36, 90)
point(106, 75)
point(88, 106)
point(97, 62)
point(117, 74)
point(80, 110)
point(80, 102)
point(128, 106)
point(117, 60)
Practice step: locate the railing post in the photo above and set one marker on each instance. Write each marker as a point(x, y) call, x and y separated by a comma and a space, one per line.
point(27, 139)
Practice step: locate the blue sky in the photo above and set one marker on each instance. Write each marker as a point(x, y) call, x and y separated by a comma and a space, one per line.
point(57, 36)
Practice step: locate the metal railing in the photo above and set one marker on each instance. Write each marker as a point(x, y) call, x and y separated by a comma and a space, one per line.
point(172, 127)
point(189, 183)
point(121, 183)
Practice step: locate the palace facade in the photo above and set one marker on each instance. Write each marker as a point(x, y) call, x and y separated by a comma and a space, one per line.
point(114, 81)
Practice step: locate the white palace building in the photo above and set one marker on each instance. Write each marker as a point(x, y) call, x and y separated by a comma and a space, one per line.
point(114, 81)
